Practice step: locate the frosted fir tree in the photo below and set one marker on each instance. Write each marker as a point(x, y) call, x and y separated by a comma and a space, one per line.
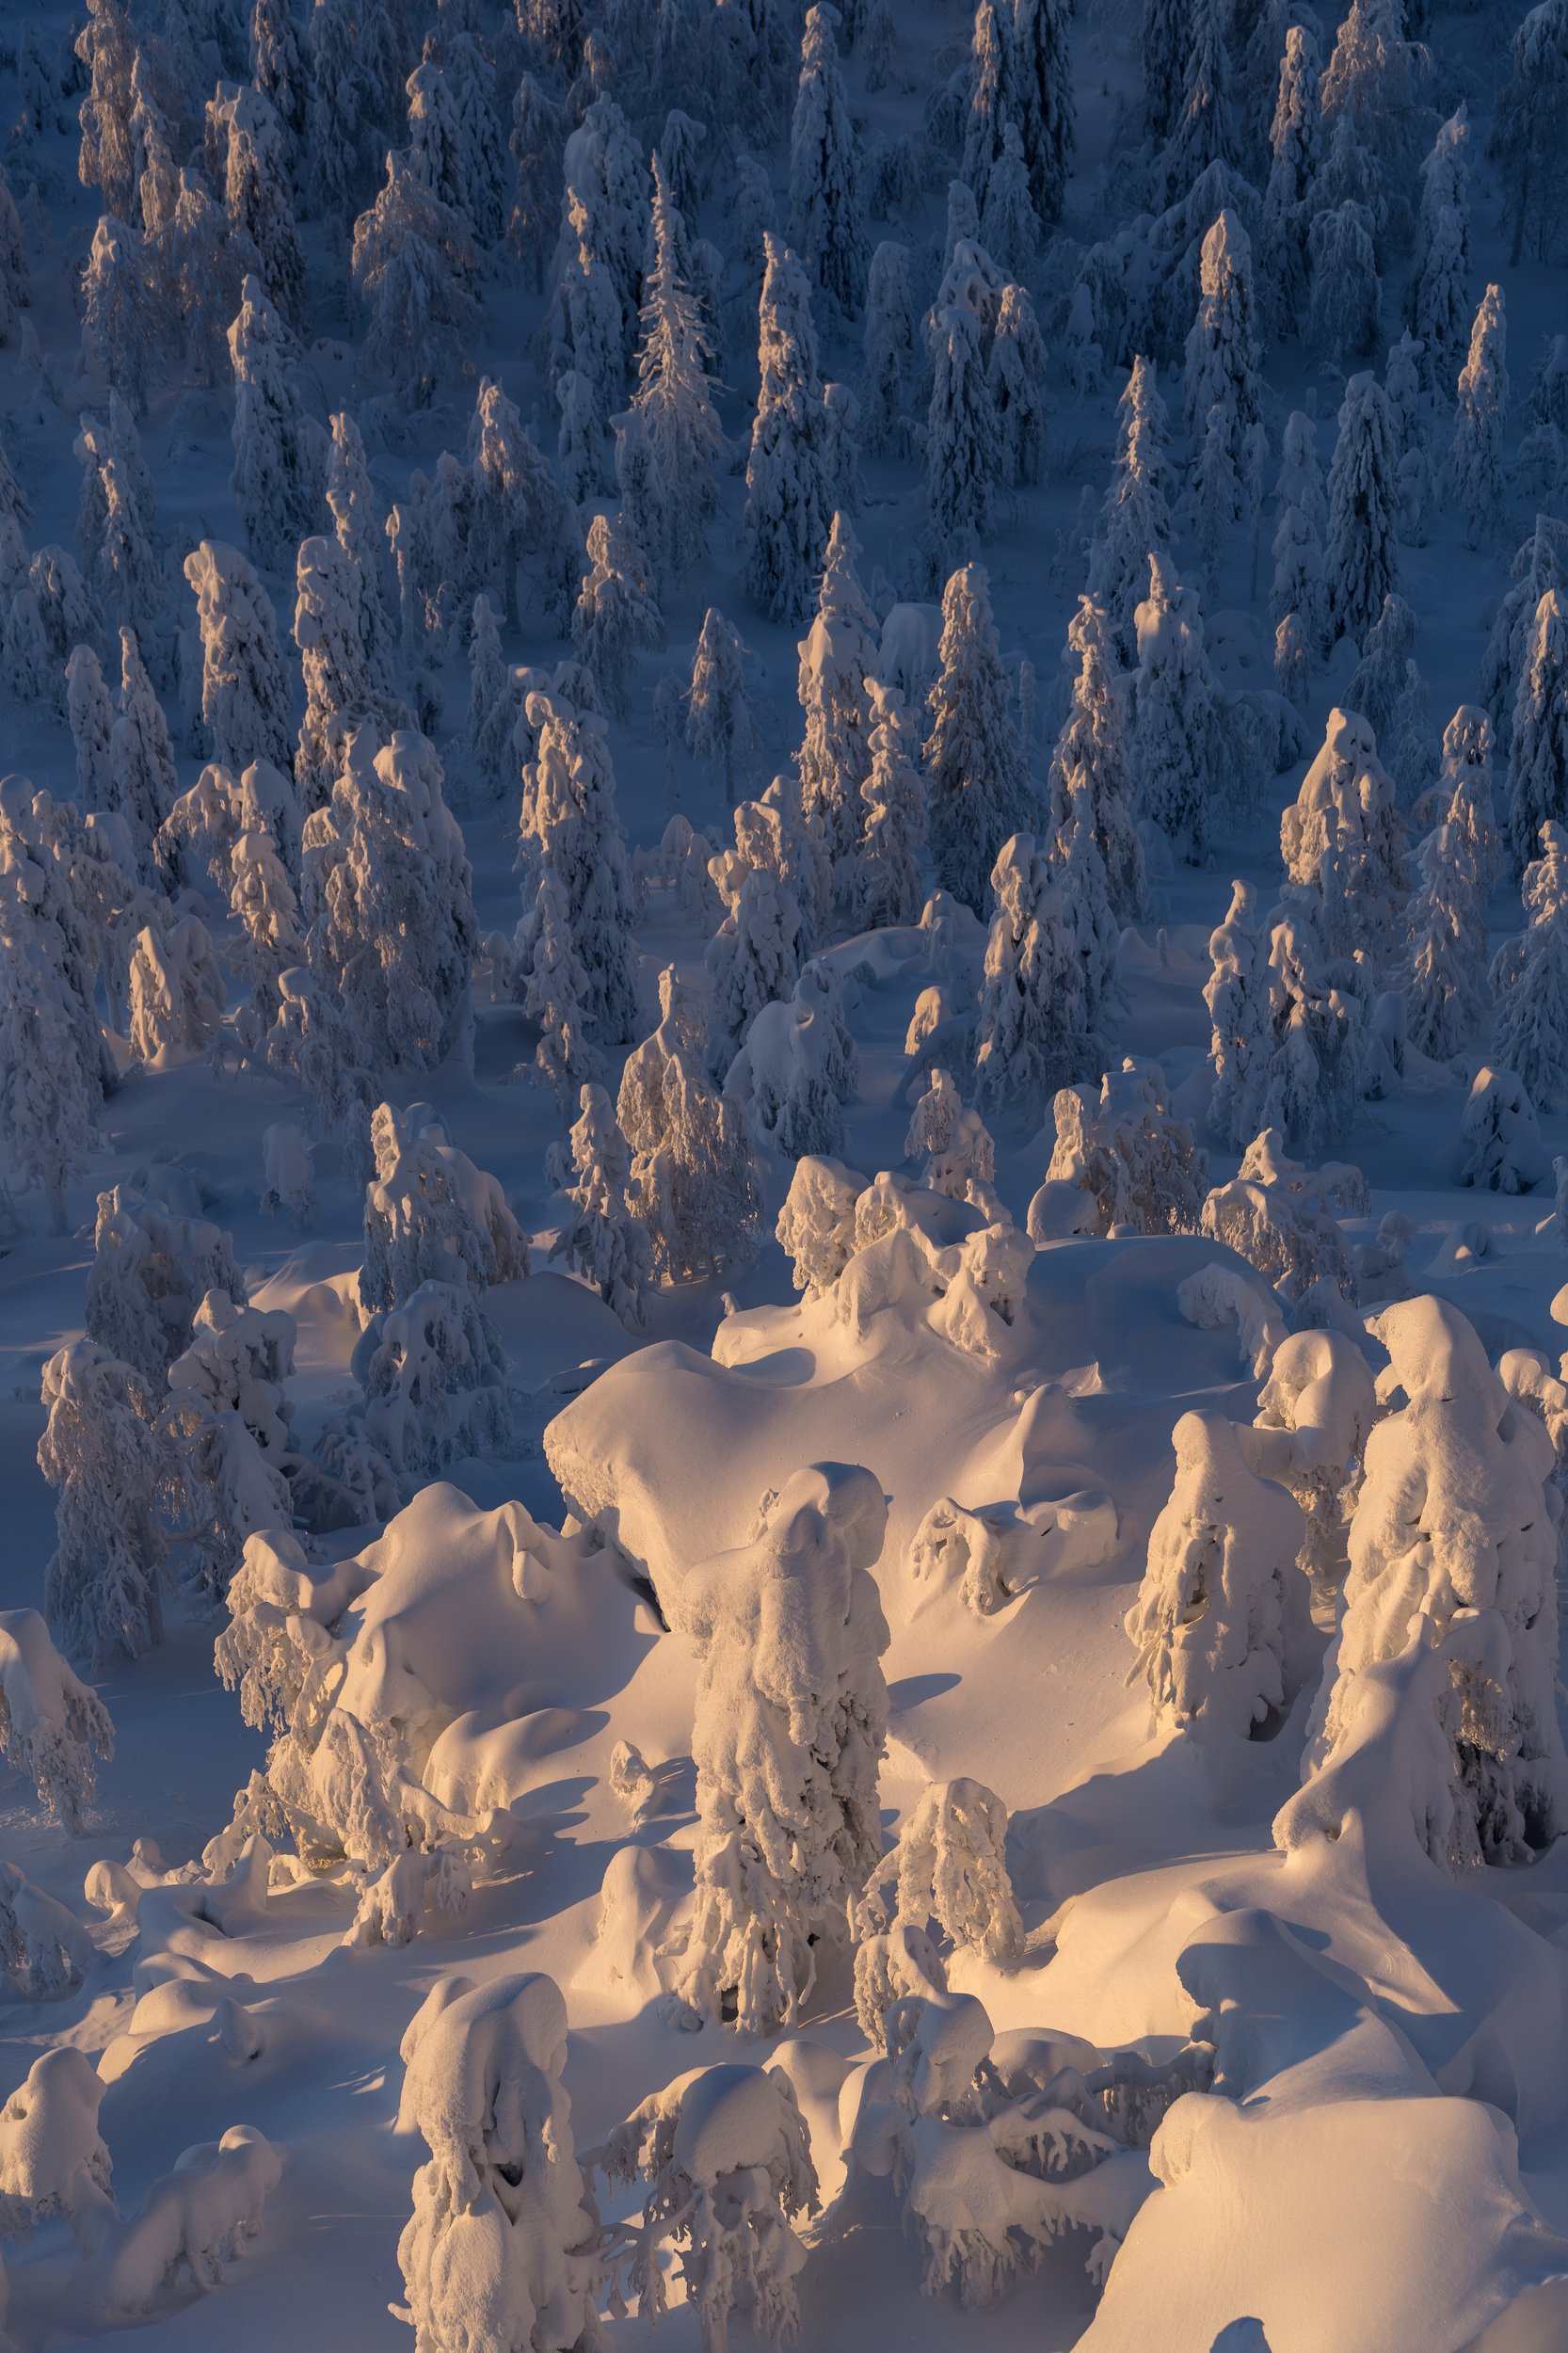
point(413, 267)
point(280, 69)
point(1458, 1453)
point(889, 359)
point(978, 790)
point(827, 216)
point(1378, 679)
point(962, 453)
point(1343, 838)
point(1163, 47)
point(1090, 766)
point(201, 270)
point(1135, 519)
point(49, 1094)
point(1500, 1135)
point(836, 656)
point(1222, 1604)
point(617, 615)
point(430, 1216)
point(28, 668)
point(1436, 293)
point(1238, 994)
point(1009, 226)
point(1361, 563)
point(1179, 751)
point(603, 1240)
point(722, 729)
point(501, 2242)
point(1539, 564)
point(550, 977)
point(454, 141)
point(1537, 750)
point(1292, 659)
point(520, 512)
point(113, 1473)
point(1444, 975)
point(280, 453)
point(1530, 980)
point(752, 960)
point(91, 713)
point(1015, 374)
point(535, 143)
point(107, 160)
point(141, 758)
point(338, 688)
point(1038, 1026)
point(989, 112)
point(1525, 130)
point(889, 885)
point(1346, 291)
point(245, 688)
point(682, 444)
point(1222, 367)
point(791, 1726)
point(119, 329)
point(694, 1181)
point(313, 1046)
point(387, 890)
point(1474, 461)
point(262, 898)
point(570, 823)
point(956, 1151)
point(361, 532)
point(1042, 98)
point(606, 171)
point(258, 200)
point(588, 364)
point(789, 496)
point(1464, 790)
point(176, 991)
point(1294, 139)
point(943, 1886)
point(1299, 586)
point(52, 1731)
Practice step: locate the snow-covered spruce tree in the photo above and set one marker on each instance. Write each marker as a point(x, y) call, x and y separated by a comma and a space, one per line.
point(52, 1729)
point(550, 976)
point(956, 1151)
point(943, 1885)
point(617, 615)
point(1222, 359)
point(826, 218)
point(1360, 560)
point(791, 1725)
point(1538, 745)
point(1436, 292)
point(1298, 543)
point(141, 758)
point(454, 142)
point(413, 267)
point(1461, 1456)
point(245, 688)
point(1008, 225)
point(789, 497)
point(280, 453)
point(119, 323)
point(889, 360)
point(682, 447)
point(1222, 1604)
point(281, 69)
point(1038, 1023)
point(1179, 738)
point(978, 790)
point(988, 113)
point(385, 887)
point(1016, 373)
point(535, 143)
point(227, 1417)
point(339, 693)
point(1475, 460)
point(1042, 100)
point(1202, 131)
point(721, 727)
point(1163, 47)
point(49, 1092)
point(1090, 763)
point(103, 1585)
point(1120, 1143)
point(1526, 124)
point(1464, 790)
point(570, 823)
point(202, 270)
point(1344, 838)
point(1135, 519)
point(313, 1046)
point(1347, 292)
point(1444, 975)
point(176, 991)
point(1530, 980)
point(106, 159)
point(431, 1216)
point(1294, 136)
point(1238, 994)
point(836, 654)
point(500, 2247)
point(1540, 563)
point(752, 960)
point(258, 200)
point(603, 1241)
point(1320, 1060)
point(520, 512)
point(693, 1182)
point(587, 358)
point(361, 532)
point(962, 453)
point(889, 887)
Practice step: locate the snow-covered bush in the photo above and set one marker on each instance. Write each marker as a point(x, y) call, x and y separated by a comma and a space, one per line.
point(604, 1242)
point(816, 1226)
point(1314, 1414)
point(1500, 1135)
point(191, 2223)
point(150, 1273)
point(1279, 1216)
point(103, 1585)
point(1125, 1147)
point(943, 1883)
point(433, 1379)
point(693, 1182)
point(1222, 1604)
point(727, 2158)
point(52, 1725)
point(790, 1721)
point(955, 1149)
point(45, 1948)
point(1459, 1513)
point(431, 1216)
point(501, 2248)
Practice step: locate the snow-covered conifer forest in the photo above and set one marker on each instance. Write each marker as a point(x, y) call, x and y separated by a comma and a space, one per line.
point(783, 1176)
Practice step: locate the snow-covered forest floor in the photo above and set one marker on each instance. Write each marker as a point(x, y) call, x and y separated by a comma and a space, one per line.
point(1215, 1991)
